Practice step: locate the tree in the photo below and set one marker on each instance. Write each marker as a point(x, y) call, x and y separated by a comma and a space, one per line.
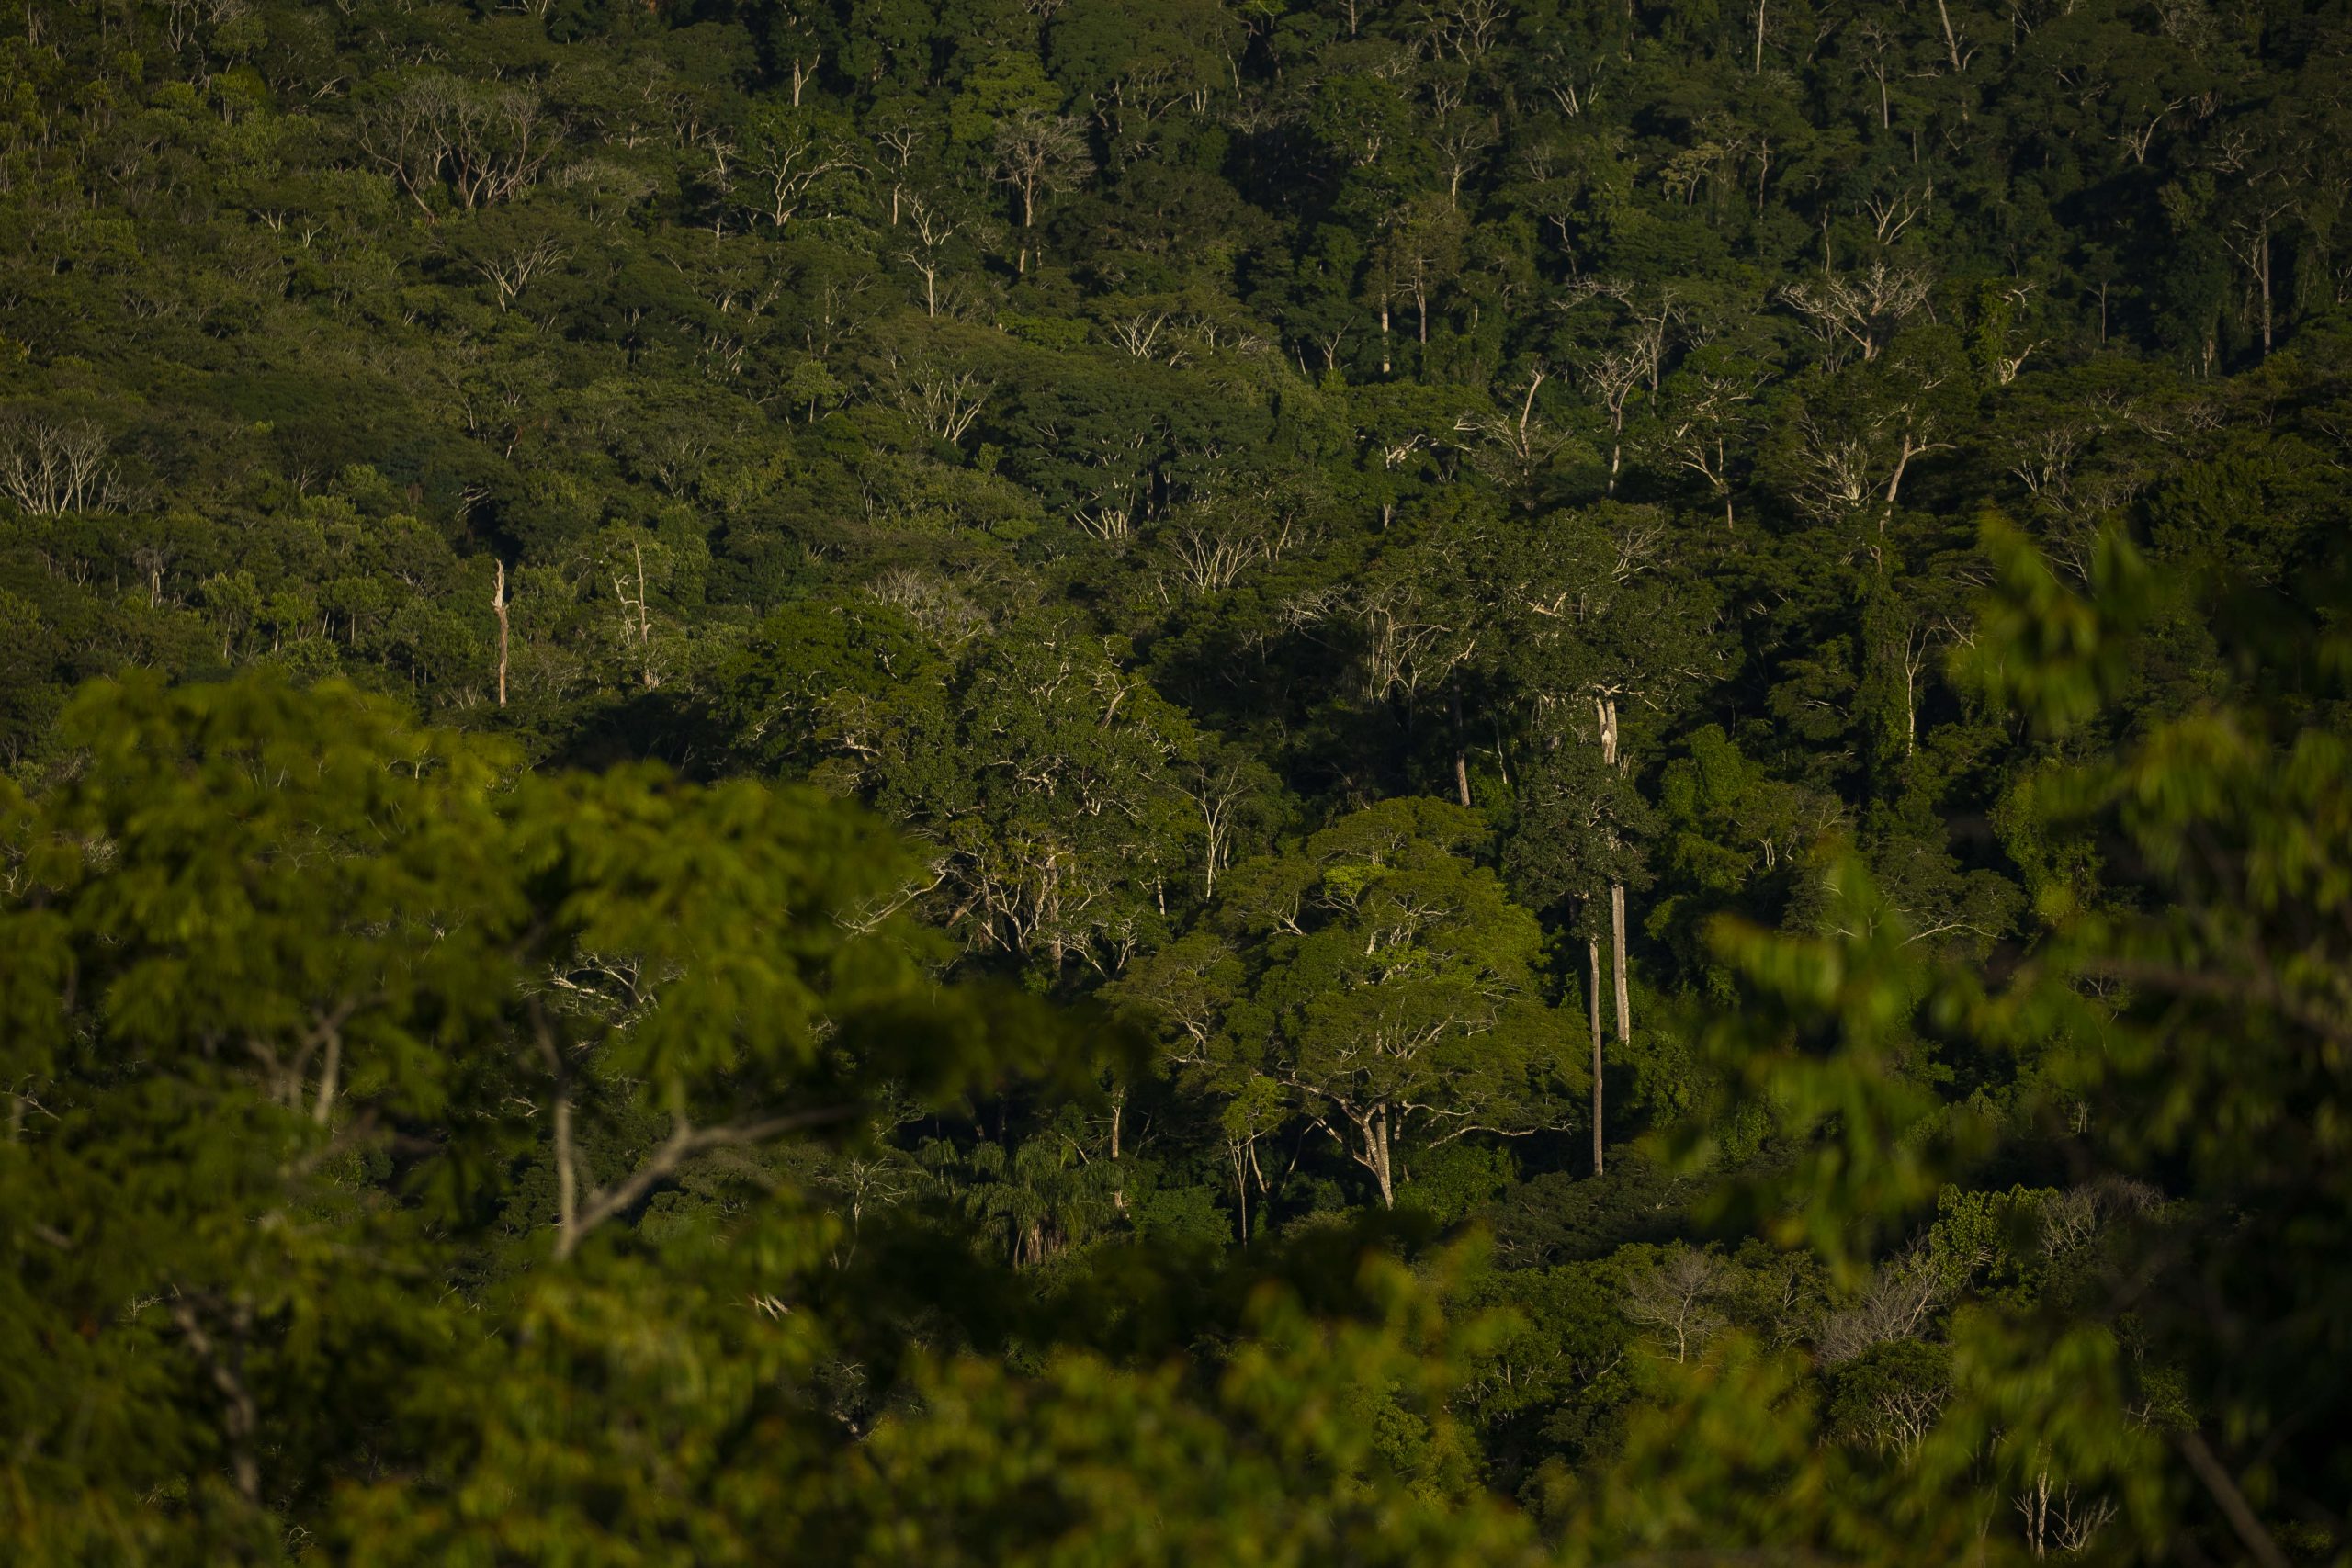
point(49, 467)
point(1849, 439)
point(1541, 407)
point(1599, 629)
point(1707, 415)
point(1421, 251)
point(790, 159)
point(1396, 987)
point(2194, 1059)
point(1133, 64)
point(481, 145)
point(1048, 801)
point(1673, 1299)
point(1036, 154)
point(298, 929)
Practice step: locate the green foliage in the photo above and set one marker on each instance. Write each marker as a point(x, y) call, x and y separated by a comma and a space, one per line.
point(834, 766)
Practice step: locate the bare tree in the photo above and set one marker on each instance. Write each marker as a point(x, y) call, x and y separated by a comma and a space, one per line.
point(932, 230)
point(53, 467)
point(940, 402)
point(790, 164)
point(639, 609)
point(186, 20)
point(1841, 466)
point(1700, 430)
point(1615, 375)
point(899, 141)
point(1834, 470)
point(509, 271)
point(1861, 309)
point(1893, 211)
point(2250, 240)
point(1952, 40)
point(1515, 447)
point(938, 608)
point(1673, 1299)
point(2138, 139)
point(225, 1367)
point(1218, 790)
point(2057, 1518)
point(1903, 1414)
point(1465, 28)
point(1460, 147)
point(1404, 648)
point(1140, 334)
point(483, 144)
point(1897, 1302)
point(1879, 53)
point(1037, 154)
point(1213, 548)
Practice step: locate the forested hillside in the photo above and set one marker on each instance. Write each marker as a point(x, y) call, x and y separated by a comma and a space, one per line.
point(1134, 781)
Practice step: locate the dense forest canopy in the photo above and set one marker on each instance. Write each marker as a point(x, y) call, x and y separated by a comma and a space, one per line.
point(1097, 781)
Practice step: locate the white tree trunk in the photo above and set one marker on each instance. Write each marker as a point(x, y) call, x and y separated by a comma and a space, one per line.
point(1592, 1011)
point(498, 605)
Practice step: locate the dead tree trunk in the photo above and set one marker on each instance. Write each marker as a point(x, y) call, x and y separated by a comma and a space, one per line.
point(1617, 944)
point(1592, 1011)
point(1607, 708)
point(1461, 756)
point(498, 607)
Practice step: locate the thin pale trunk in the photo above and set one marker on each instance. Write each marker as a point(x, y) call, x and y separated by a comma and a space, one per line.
point(1617, 958)
point(1384, 365)
point(644, 624)
point(1118, 1113)
point(1894, 481)
point(1592, 1010)
point(1910, 705)
point(329, 1075)
point(1759, 39)
point(567, 1176)
point(498, 607)
point(2264, 275)
point(239, 1419)
point(1461, 757)
point(1606, 709)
